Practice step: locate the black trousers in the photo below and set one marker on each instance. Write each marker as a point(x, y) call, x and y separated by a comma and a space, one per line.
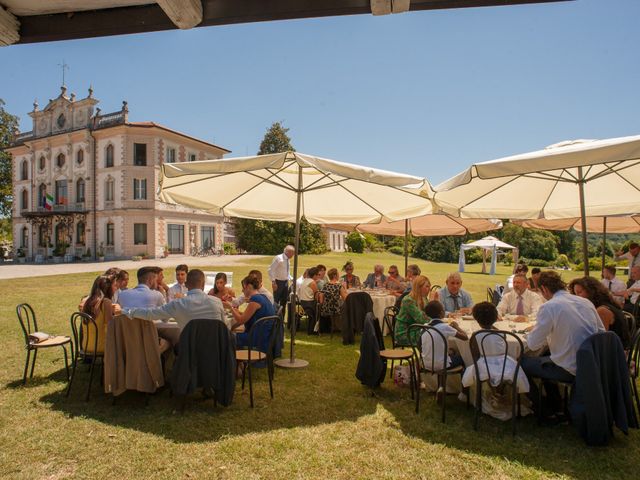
point(280, 296)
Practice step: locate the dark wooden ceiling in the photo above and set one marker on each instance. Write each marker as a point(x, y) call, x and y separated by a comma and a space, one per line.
point(150, 18)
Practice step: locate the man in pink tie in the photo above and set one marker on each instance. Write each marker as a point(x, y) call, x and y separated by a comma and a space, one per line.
point(520, 301)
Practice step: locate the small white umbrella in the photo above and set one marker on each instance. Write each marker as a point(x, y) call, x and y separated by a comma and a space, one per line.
point(570, 179)
point(289, 186)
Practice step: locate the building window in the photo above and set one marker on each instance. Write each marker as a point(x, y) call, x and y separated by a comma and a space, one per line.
point(139, 188)
point(110, 234)
point(61, 192)
point(42, 236)
point(80, 233)
point(24, 238)
point(24, 200)
point(140, 154)
point(61, 234)
point(80, 191)
point(139, 233)
point(192, 157)
point(60, 159)
point(109, 190)
point(207, 236)
point(175, 235)
point(24, 170)
point(80, 157)
point(41, 163)
point(108, 156)
point(171, 155)
point(42, 195)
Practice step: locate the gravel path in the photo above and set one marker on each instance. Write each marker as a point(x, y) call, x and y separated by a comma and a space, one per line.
point(10, 270)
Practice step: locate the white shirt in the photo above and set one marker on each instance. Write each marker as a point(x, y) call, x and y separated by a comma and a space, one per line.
point(177, 288)
point(279, 268)
point(615, 285)
point(634, 296)
point(140, 297)
point(440, 349)
point(196, 304)
point(304, 290)
point(263, 291)
point(531, 301)
point(633, 261)
point(563, 323)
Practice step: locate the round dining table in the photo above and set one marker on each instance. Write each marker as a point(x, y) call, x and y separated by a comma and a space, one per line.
point(381, 299)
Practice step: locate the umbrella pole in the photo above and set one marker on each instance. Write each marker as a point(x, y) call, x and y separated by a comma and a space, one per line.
point(604, 243)
point(406, 246)
point(292, 362)
point(583, 222)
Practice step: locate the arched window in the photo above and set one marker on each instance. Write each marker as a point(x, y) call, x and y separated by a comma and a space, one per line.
point(108, 156)
point(80, 157)
point(42, 163)
point(24, 237)
point(80, 233)
point(43, 233)
point(80, 191)
point(61, 233)
point(24, 170)
point(60, 159)
point(24, 200)
point(42, 195)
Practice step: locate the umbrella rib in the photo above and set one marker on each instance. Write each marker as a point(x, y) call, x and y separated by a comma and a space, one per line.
point(362, 200)
point(618, 173)
point(475, 199)
point(611, 169)
point(188, 182)
point(544, 205)
point(263, 180)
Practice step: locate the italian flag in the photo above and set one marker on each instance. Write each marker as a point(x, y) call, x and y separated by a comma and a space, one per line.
point(48, 201)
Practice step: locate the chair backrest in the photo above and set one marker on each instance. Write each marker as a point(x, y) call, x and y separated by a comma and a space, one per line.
point(631, 323)
point(490, 293)
point(432, 336)
point(435, 288)
point(633, 357)
point(27, 319)
point(390, 314)
point(81, 335)
point(257, 331)
point(485, 344)
point(636, 307)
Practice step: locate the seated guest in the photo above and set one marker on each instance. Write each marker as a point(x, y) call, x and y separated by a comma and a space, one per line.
point(301, 279)
point(453, 297)
point(322, 272)
point(520, 268)
point(610, 313)
point(122, 282)
point(633, 255)
point(413, 271)
point(632, 293)
point(99, 306)
point(240, 299)
point(349, 280)
point(520, 300)
point(563, 323)
point(145, 295)
point(435, 310)
point(220, 288)
point(376, 279)
point(161, 286)
point(112, 273)
point(533, 281)
point(486, 314)
point(307, 296)
point(613, 284)
point(195, 304)
point(179, 289)
point(258, 307)
point(412, 310)
point(333, 295)
point(395, 283)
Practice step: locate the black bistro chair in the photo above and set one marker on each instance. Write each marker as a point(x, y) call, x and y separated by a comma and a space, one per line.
point(493, 344)
point(254, 354)
point(29, 325)
point(81, 324)
point(432, 335)
point(633, 361)
point(631, 324)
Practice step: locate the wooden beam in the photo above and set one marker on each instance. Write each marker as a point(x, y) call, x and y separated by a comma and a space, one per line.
point(9, 28)
point(184, 14)
point(151, 18)
point(381, 7)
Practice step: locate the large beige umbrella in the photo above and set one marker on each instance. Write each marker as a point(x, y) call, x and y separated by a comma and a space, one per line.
point(289, 186)
point(571, 179)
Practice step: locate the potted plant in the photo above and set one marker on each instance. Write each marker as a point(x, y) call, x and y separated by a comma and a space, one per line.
point(58, 253)
point(101, 252)
point(21, 255)
point(49, 249)
point(87, 255)
point(166, 251)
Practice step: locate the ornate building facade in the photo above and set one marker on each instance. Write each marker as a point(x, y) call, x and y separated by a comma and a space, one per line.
point(84, 184)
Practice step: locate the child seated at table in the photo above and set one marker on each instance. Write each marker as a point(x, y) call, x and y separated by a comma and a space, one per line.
point(486, 314)
point(432, 347)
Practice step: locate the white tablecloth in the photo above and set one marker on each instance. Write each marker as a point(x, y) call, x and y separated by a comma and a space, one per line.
point(381, 300)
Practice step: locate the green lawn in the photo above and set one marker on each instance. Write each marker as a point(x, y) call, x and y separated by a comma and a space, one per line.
point(321, 424)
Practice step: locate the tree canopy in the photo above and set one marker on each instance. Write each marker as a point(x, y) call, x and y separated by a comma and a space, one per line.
point(8, 124)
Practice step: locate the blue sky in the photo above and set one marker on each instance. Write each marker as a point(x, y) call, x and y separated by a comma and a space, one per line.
point(426, 93)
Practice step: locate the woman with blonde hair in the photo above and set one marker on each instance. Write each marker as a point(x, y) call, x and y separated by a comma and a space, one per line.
point(412, 309)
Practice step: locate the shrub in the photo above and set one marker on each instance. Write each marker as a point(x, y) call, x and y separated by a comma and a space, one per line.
point(562, 261)
point(356, 242)
point(229, 248)
point(536, 262)
point(595, 265)
point(396, 250)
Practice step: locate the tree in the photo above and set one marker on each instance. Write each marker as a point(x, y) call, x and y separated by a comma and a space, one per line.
point(532, 242)
point(437, 249)
point(8, 124)
point(261, 236)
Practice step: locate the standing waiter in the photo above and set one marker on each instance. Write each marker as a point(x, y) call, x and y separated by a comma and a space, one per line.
point(279, 275)
point(633, 255)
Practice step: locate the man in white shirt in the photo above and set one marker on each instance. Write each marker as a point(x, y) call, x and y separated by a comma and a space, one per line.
point(520, 268)
point(633, 255)
point(520, 300)
point(279, 275)
point(613, 284)
point(145, 294)
point(632, 293)
point(196, 304)
point(563, 323)
point(179, 289)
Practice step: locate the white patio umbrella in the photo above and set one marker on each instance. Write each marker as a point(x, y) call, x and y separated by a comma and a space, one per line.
point(289, 186)
point(491, 244)
point(570, 179)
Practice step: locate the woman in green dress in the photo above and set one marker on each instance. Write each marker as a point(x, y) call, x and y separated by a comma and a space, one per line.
point(412, 309)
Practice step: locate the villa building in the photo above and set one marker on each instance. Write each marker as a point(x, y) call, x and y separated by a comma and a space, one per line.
point(84, 184)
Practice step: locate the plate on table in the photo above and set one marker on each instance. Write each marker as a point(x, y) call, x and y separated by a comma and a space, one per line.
point(467, 317)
